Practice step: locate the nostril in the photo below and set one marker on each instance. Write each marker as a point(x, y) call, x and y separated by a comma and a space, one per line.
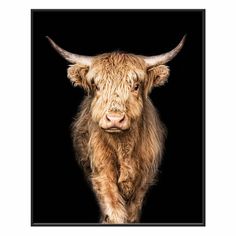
point(122, 119)
point(107, 117)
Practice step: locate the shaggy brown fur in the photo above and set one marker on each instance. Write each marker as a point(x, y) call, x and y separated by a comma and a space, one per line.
point(117, 135)
point(121, 166)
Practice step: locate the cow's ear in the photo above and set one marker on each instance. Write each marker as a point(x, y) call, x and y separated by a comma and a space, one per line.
point(77, 75)
point(158, 75)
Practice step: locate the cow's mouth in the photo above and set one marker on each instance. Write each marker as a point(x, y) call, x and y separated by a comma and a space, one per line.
point(113, 130)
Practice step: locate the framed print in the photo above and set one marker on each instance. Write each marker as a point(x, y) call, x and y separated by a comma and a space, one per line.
point(118, 117)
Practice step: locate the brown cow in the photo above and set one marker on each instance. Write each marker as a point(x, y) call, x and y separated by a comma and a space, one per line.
point(117, 135)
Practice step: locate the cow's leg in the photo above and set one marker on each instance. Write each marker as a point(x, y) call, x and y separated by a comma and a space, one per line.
point(134, 205)
point(111, 202)
point(128, 177)
point(132, 187)
point(104, 176)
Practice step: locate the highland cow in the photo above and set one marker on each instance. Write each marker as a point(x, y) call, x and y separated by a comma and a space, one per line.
point(117, 135)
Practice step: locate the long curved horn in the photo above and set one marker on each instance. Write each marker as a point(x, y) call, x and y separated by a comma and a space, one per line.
point(164, 58)
point(71, 57)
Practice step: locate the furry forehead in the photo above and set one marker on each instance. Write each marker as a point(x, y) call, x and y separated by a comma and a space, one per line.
point(117, 66)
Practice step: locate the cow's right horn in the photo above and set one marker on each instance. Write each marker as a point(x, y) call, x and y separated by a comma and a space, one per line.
point(71, 57)
point(164, 58)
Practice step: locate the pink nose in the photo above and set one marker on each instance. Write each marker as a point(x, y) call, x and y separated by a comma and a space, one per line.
point(115, 120)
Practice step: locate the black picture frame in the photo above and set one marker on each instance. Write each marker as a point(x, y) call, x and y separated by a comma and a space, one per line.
point(54, 103)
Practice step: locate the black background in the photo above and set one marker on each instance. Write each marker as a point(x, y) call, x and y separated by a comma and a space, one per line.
point(60, 193)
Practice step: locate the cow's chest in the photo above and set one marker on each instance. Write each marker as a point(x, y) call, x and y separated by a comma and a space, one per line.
point(128, 167)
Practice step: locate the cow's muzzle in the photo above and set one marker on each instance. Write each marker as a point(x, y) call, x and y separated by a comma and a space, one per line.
point(114, 122)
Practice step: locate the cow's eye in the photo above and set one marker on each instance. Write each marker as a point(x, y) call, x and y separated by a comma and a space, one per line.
point(93, 84)
point(97, 88)
point(136, 87)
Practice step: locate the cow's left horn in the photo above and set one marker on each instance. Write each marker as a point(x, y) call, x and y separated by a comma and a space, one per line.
point(71, 57)
point(164, 58)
